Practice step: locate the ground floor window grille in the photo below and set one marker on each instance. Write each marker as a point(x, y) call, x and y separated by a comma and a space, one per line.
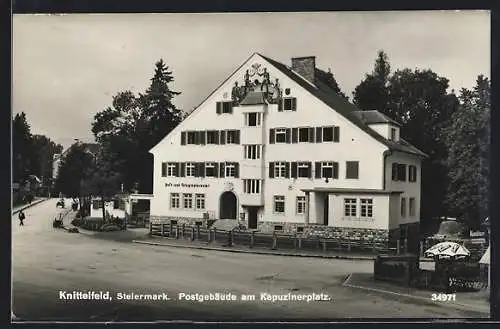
point(350, 207)
point(279, 204)
point(188, 200)
point(200, 201)
point(301, 205)
point(175, 200)
point(367, 208)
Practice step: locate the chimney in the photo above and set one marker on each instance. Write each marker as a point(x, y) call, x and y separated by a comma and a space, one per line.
point(305, 67)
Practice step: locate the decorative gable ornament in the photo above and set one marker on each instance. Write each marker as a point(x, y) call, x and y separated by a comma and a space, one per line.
point(229, 186)
point(272, 92)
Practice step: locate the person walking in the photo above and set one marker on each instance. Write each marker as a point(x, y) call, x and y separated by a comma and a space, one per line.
point(21, 218)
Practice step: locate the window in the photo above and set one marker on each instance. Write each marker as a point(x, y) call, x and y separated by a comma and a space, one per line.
point(329, 170)
point(398, 172)
point(303, 135)
point(253, 119)
point(367, 208)
point(280, 169)
point(191, 137)
point(280, 135)
point(230, 170)
point(327, 134)
point(116, 204)
point(279, 204)
point(224, 107)
point(232, 137)
point(190, 169)
point(393, 134)
point(403, 207)
point(200, 201)
point(213, 137)
point(251, 186)
point(412, 207)
point(210, 170)
point(350, 207)
point(290, 104)
point(96, 204)
point(171, 169)
point(352, 170)
point(303, 169)
point(188, 200)
point(252, 151)
point(301, 205)
point(412, 173)
point(175, 200)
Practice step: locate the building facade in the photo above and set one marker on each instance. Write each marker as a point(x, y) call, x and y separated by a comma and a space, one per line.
point(276, 149)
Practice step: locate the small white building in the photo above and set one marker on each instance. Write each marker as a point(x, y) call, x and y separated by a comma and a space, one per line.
point(276, 149)
point(116, 207)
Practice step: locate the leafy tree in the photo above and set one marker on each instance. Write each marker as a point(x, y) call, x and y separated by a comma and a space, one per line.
point(71, 170)
point(42, 156)
point(467, 140)
point(134, 124)
point(328, 79)
point(22, 147)
point(372, 93)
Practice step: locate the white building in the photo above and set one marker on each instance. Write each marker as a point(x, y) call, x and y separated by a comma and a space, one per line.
point(276, 149)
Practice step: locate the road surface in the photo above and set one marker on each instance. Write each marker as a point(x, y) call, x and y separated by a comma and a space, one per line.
point(48, 262)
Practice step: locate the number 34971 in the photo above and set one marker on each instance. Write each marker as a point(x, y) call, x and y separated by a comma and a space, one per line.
point(443, 297)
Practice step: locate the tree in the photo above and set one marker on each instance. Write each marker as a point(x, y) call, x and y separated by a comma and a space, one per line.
point(101, 180)
point(133, 125)
point(42, 156)
point(22, 147)
point(71, 170)
point(328, 79)
point(372, 93)
point(467, 139)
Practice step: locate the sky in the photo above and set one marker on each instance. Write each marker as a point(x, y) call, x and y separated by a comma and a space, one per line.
point(66, 68)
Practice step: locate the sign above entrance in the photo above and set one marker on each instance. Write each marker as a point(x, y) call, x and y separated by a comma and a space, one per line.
point(186, 185)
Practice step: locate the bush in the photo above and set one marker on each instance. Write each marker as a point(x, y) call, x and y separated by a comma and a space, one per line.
point(73, 230)
point(77, 222)
point(110, 228)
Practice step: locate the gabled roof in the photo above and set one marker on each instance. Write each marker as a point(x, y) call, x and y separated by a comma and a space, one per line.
point(373, 117)
point(343, 107)
point(253, 98)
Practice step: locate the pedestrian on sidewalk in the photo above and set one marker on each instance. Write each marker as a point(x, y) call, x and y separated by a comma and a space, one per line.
point(21, 218)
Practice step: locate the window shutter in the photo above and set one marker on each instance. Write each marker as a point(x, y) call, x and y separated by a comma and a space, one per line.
point(217, 139)
point(271, 169)
point(201, 169)
point(271, 136)
point(294, 104)
point(319, 135)
point(237, 132)
point(236, 170)
point(197, 137)
point(287, 136)
point(230, 104)
point(309, 170)
point(311, 135)
point(163, 169)
point(336, 170)
point(202, 137)
point(183, 138)
point(216, 170)
point(287, 169)
point(177, 169)
point(294, 170)
point(280, 105)
point(336, 134)
point(395, 171)
point(221, 170)
point(295, 132)
point(196, 169)
point(219, 108)
point(317, 170)
point(183, 169)
point(403, 173)
point(222, 137)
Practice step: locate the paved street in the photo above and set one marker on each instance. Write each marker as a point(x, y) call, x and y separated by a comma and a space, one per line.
point(46, 261)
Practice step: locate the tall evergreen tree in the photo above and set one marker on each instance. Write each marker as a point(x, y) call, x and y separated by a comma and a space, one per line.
point(328, 79)
point(71, 171)
point(467, 139)
point(22, 147)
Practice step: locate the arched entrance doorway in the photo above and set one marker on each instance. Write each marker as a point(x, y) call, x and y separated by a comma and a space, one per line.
point(228, 206)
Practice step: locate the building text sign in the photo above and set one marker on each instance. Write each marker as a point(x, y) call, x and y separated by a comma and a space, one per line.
point(186, 185)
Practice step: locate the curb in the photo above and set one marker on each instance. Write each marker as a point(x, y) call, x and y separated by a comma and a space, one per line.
point(29, 205)
point(257, 252)
point(459, 306)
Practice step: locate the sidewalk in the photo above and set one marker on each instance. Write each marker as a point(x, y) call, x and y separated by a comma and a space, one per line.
point(184, 243)
point(36, 201)
point(467, 301)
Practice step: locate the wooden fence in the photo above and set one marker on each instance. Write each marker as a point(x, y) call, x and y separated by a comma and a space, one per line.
point(252, 239)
